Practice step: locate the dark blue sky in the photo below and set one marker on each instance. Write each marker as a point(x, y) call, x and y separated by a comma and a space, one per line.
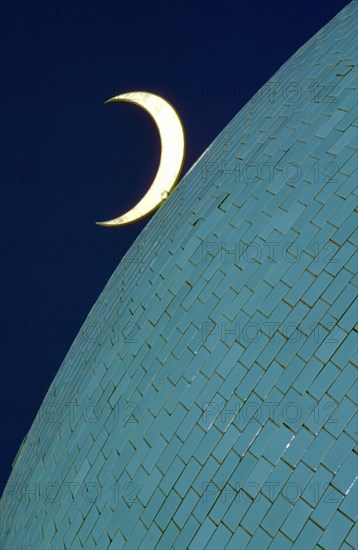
point(68, 160)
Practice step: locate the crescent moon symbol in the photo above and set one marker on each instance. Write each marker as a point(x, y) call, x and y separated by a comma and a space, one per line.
point(172, 154)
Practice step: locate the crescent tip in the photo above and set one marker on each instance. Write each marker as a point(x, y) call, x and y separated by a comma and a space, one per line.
point(105, 224)
point(112, 223)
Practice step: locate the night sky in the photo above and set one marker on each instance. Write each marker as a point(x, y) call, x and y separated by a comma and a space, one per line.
point(68, 160)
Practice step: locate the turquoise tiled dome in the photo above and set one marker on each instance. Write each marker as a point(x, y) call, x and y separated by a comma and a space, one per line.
point(208, 401)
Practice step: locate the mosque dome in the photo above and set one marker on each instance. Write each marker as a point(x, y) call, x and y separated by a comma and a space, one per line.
point(209, 399)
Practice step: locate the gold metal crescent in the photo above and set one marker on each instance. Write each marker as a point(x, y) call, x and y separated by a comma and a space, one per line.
point(172, 154)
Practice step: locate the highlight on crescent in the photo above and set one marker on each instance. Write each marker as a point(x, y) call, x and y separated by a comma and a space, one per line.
point(172, 154)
